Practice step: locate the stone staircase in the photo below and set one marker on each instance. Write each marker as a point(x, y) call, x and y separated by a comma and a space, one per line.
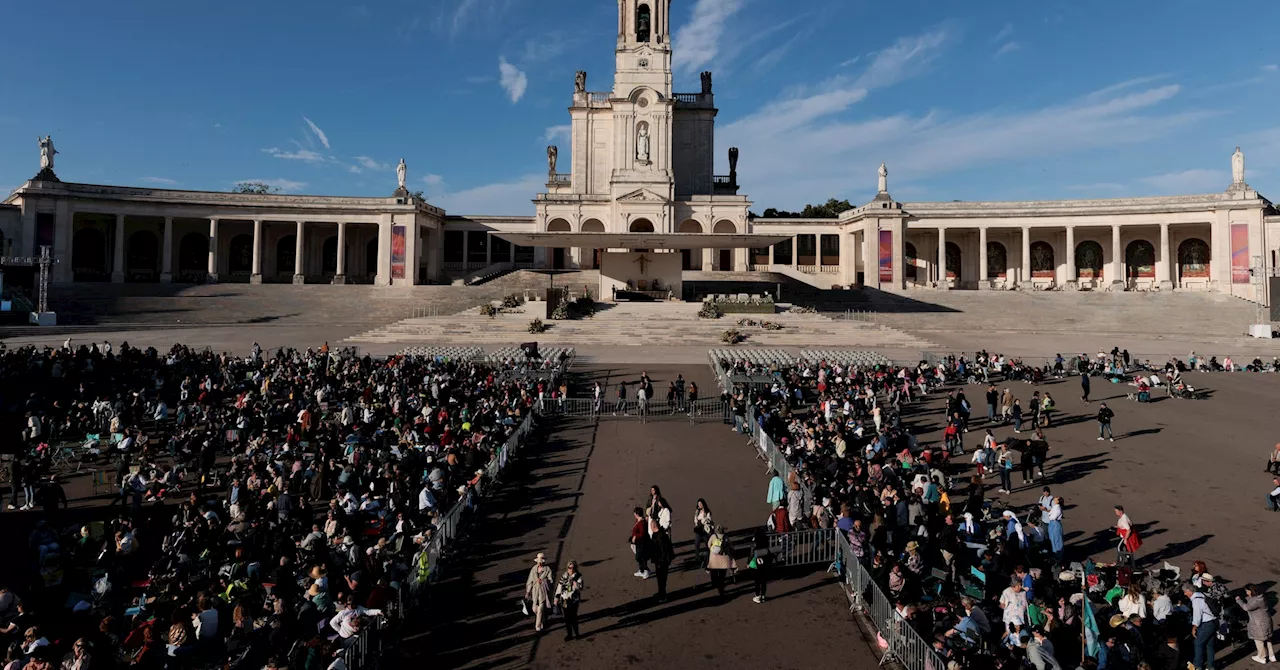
point(1209, 315)
point(640, 324)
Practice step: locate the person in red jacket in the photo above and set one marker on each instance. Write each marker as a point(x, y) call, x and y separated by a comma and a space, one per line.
point(781, 524)
point(640, 543)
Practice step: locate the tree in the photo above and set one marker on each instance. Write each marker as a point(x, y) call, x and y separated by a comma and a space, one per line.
point(419, 195)
point(254, 187)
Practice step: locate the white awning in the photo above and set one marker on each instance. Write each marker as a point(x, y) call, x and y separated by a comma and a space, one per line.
point(643, 240)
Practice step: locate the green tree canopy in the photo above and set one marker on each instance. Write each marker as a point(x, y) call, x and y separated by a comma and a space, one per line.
point(831, 209)
point(254, 187)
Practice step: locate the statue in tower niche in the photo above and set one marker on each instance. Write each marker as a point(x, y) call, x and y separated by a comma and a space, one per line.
point(706, 83)
point(552, 154)
point(580, 81)
point(642, 144)
point(1237, 167)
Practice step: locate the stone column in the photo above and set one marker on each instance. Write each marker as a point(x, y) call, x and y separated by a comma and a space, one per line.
point(117, 260)
point(213, 251)
point(1117, 260)
point(795, 252)
point(298, 256)
point(1072, 284)
point(340, 273)
point(255, 272)
point(466, 250)
point(1165, 276)
point(1024, 279)
point(166, 252)
point(870, 256)
point(942, 258)
point(982, 258)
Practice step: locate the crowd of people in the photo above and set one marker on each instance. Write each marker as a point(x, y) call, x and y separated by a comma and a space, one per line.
point(272, 507)
point(987, 583)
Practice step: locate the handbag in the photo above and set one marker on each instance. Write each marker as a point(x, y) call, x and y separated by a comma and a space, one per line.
point(752, 563)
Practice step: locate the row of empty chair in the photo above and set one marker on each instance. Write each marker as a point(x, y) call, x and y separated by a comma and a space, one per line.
point(845, 357)
point(453, 353)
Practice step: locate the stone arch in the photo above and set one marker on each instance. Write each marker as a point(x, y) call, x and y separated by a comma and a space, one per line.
point(997, 261)
point(912, 262)
point(592, 226)
point(329, 255)
point(690, 226)
point(143, 254)
point(1089, 260)
point(286, 254)
point(1140, 260)
point(89, 255)
point(240, 255)
point(953, 260)
point(644, 22)
point(559, 226)
point(725, 226)
point(193, 254)
point(1043, 264)
point(1193, 258)
point(641, 226)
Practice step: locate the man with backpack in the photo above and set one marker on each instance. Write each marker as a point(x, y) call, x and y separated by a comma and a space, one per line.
point(1204, 628)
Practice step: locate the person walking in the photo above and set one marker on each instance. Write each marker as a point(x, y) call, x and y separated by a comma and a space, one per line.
point(777, 490)
point(1005, 465)
point(663, 554)
point(569, 596)
point(621, 404)
point(1053, 521)
point(1254, 603)
point(537, 589)
point(1204, 628)
point(993, 398)
point(703, 526)
point(721, 562)
point(761, 558)
point(1084, 386)
point(1104, 423)
point(1016, 414)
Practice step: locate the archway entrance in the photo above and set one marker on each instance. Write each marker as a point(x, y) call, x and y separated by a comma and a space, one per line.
point(1043, 265)
point(558, 253)
point(997, 261)
point(286, 252)
point(557, 258)
point(142, 262)
point(1193, 259)
point(724, 257)
point(1140, 260)
point(89, 256)
point(329, 256)
point(953, 260)
point(193, 257)
point(1088, 260)
point(240, 255)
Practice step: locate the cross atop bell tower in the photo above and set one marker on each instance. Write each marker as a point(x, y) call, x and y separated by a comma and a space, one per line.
point(643, 57)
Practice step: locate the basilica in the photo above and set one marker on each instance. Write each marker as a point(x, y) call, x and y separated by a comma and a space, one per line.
point(637, 199)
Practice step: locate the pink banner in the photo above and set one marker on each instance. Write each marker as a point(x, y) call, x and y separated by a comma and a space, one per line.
point(1239, 253)
point(397, 252)
point(886, 256)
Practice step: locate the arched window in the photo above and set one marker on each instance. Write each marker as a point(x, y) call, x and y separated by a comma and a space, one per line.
point(89, 255)
point(1089, 260)
point(329, 256)
point(690, 226)
point(559, 226)
point(1193, 258)
point(1140, 260)
point(286, 252)
point(644, 23)
point(193, 255)
point(913, 261)
point(953, 260)
point(240, 255)
point(1042, 263)
point(641, 226)
point(592, 226)
point(997, 261)
point(723, 226)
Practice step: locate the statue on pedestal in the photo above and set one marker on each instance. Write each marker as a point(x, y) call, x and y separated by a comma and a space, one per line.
point(552, 154)
point(1237, 167)
point(401, 170)
point(884, 179)
point(642, 144)
point(580, 82)
point(706, 83)
point(47, 153)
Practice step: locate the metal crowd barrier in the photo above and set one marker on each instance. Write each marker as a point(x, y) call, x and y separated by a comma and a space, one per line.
point(805, 547)
point(703, 409)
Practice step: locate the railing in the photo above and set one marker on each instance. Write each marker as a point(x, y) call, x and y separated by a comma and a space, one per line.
point(703, 409)
point(829, 269)
point(559, 179)
point(859, 315)
point(427, 311)
point(687, 97)
point(597, 97)
point(807, 269)
point(722, 180)
point(829, 545)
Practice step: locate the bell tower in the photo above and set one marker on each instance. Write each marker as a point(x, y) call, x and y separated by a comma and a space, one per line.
point(643, 57)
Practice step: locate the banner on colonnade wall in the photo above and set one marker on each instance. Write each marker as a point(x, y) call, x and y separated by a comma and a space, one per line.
point(886, 256)
point(1239, 253)
point(397, 252)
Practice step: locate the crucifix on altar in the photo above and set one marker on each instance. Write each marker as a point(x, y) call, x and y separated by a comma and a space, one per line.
point(644, 263)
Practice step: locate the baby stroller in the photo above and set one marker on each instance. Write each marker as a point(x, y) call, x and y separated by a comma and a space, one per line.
point(1186, 392)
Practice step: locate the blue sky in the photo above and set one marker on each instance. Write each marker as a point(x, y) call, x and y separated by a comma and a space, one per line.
point(981, 100)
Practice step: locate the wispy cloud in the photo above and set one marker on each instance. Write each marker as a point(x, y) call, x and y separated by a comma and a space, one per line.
point(905, 58)
point(432, 179)
point(1271, 67)
point(851, 62)
point(512, 79)
point(698, 41)
point(776, 54)
point(363, 163)
point(557, 132)
point(1007, 48)
point(163, 181)
point(285, 185)
point(304, 155)
point(510, 198)
point(318, 133)
point(1198, 180)
point(1005, 33)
